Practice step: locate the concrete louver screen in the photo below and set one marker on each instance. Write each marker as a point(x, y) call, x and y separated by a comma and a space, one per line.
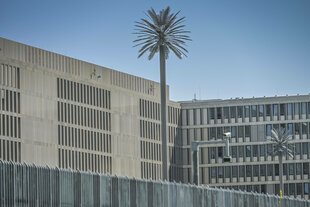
point(33, 186)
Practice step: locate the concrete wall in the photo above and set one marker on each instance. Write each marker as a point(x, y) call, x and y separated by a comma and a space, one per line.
point(30, 185)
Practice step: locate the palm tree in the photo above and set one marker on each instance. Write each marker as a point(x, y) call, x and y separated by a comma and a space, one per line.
point(281, 139)
point(161, 33)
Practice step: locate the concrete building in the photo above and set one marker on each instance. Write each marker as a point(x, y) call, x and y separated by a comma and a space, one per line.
point(60, 111)
point(250, 122)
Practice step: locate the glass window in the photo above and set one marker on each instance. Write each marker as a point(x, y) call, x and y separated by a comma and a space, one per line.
point(241, 171)
point(282, 109)
point(268, 130)
point(297, 128)
point(261, 110)
point(253, 111)
point(248, 150)
point(240, 131)
point(240, 112)
point(276, 169)
point(262, 150)
point(305, 168)
point(303, 108)
point(299, 188)
point(296, 108)
point(234, 171)
point(263, 188)
point(233, 132)
point(262, 170)
point(268, 110)
point(290, 129)
point(270, 170)
point(255, 150)
point(275, 109)
point(212, 132)
point(246, 111)
point(220, 172)
point(298, 168)
point(213, 172)
point(297, 149)
point(212, 152)
point(249, 170)
point(284, 169)
point(226, 112)
point(304, 128)
point(219, 132)
point(234, 151)
point(289, 109)
point(305, 148)
point(306, 188)
point(219, 112)
point(233, 112)
point(212, 113)
point(220, 152)
point(255, 170)
point(247, 131)
point(291, 168)
point(240, 151)
point(269, 149)
point(227, 172)
point(292, 188)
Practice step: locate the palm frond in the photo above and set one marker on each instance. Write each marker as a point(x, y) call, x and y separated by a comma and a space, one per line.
point(281, 142)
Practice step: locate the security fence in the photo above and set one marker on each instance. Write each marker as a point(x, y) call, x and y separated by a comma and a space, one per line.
point(34, 186)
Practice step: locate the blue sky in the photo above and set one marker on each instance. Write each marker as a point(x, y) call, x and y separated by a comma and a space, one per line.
point(240, 48)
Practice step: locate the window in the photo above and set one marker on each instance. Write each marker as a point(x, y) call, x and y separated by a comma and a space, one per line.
point(240, 131)
point(292, 188)
point(284, 169)
point(275, 109)
point(255, 170)
point(246, 111)
point(226, 112)
point(268, 130)
point(233, 132)
point(306, 188)
point(212, 132)
point(219, 132)
point(234, 151)
point(240, 112)
point(233, 112)
point(248, 150)
point(291, 168)
point(227, 172)
point(296, 108)
point(262, 170)
point(270, 170)
point(234, 171)
point(304, 128)
point(297, 149)
point(261, 110)
point(289, 109)
point(212, 113)
point(213, 172)
point(298, 168)
point(299, 188)
point(220, 172)
point(240, 151)
point(269, 149)
point(303, 108)
point(247, 131)
point(253, 111)
point(276, 169)
point(290, 129)
point(249, 170)
point(297, 128)
point(220, 152)
point(241, 171)
point(305, 148)
point(262, 150)
point(282, 109)
point(268, 110)
point(212, 152)
point(305, 168)
point(255, 150)
point(219, 112)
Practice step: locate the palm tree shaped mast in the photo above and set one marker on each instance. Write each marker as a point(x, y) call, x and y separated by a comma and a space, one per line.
point(161, 33)
point(281, 139)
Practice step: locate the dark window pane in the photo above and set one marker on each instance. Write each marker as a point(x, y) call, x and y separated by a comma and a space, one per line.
point(282, 109)
point(305, 148)
point(240, 131)
point(234, 171)
point(306, 188)
point(255, 150)
point(247, 131)
point(219, 112)
point(268, 109)
point(275, 109)
point(249, 170)
point(262, 150)
point(240, 151)
point(289, 109)
point(227, 172)
point(234, 151)
point(213, 172)
point(296, 108)
point(248, 150)
point(255, 170)
point(241, 171)
point(240, 112)
point(305, 168)
point(261, 110)
point(291, 169)
point(268, 130)
point(246, 111)
point(298, 168)
point(262, 170)
point(303, 108)
point(297, 149)
point(270, 170)
point(220, 152)
point(233, 132)
point(226, 112)
point(233, 112)
point(253, 111)
point(220, 172)
point(212, 113)
point(276, 169)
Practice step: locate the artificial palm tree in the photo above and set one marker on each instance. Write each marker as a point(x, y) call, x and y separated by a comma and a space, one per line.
point(161, 33)
point(281, 139)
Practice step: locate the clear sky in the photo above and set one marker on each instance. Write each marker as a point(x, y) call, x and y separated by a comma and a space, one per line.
point(240, 48)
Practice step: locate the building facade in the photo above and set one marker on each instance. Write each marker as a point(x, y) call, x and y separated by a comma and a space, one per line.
point(250, 121)
point(67, 113)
